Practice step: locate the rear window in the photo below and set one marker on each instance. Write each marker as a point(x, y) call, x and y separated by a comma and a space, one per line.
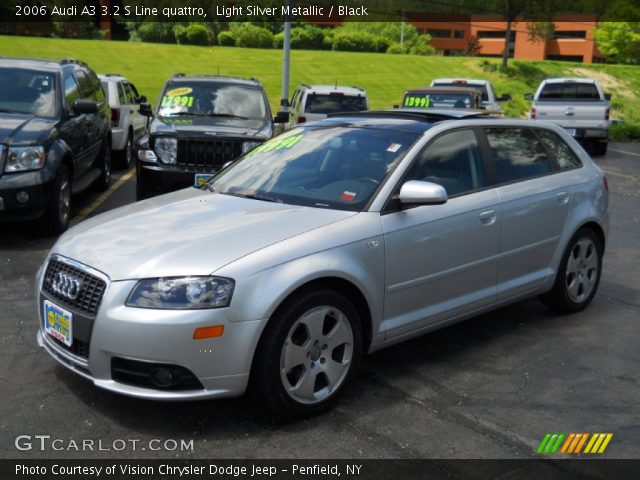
point(480, 88)
point(334, 103)
point(569, 91)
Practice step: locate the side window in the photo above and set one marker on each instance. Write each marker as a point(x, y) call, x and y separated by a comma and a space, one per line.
point(122, 94)
point(135, 96)
point(71, 93)
point(563, 154)
point(517, 154)
point(452, 160)
point(96, 86)
point(86, 91)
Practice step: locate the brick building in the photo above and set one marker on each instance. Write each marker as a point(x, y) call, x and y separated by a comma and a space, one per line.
point(572, 38)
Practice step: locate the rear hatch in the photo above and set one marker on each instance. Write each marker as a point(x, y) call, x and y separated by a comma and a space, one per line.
point(572, 104)
point(319, 105)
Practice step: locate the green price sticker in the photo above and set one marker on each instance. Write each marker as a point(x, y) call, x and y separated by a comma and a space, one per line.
point(177, 101)
point(277, 144)
point(417, 101)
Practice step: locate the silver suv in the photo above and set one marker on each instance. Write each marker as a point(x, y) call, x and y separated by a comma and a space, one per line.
point(333, 240)
point(127, 125)
point(314, 102)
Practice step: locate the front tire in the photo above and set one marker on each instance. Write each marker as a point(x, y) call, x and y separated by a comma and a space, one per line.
point(308, 353)
point(579, 274)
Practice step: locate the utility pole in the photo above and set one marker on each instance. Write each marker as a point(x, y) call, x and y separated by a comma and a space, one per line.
point(286, 61)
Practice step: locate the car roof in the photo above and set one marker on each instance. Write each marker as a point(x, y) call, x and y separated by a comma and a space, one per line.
point(323, 89)
point(470, 91)
point(404, 119)
point(570, 80)
point(180, 78)
point(111, 76)
point(30, 63)
point(470, 81)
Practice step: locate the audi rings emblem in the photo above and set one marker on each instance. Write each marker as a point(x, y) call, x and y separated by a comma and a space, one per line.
point(66, 285)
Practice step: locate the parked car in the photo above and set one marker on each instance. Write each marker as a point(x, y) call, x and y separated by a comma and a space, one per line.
point(55, 139)
point(490, 100)
point(201, 123)
point(314, 102)
point(579, 105)
point(442, 97)
point(332, 240)
point(127, 125)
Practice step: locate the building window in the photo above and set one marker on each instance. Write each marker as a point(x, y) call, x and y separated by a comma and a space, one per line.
point(566, 58)
point(439, 33)
point(496, 34)
point(559, 34)
point(458, 34)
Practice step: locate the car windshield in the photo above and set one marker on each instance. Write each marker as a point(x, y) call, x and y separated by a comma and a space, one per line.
point(335, 166)
point(334, 103)
point(437, 100)
point(213, 99)
point(28, 92)
point(482, 89)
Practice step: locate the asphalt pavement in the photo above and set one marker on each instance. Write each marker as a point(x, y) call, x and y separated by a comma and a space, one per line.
point(490, 387)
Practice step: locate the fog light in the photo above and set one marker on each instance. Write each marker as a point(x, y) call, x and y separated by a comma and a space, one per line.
point(22, 197)
point(162, 377)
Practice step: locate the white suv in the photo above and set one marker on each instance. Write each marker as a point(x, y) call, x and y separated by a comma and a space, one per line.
point(127, 125)
point(314, 102)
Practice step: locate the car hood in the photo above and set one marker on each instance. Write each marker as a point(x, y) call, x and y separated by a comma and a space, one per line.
point(189, 232)
point(20, 129)
point(186, 126)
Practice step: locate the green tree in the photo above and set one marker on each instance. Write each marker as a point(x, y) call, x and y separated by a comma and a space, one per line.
point(619, 41)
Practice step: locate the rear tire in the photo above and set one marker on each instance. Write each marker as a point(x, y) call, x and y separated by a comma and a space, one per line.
point(125, 157)
point(55, 219)
point(308, 354)
point(103, 182)
point(579, 274)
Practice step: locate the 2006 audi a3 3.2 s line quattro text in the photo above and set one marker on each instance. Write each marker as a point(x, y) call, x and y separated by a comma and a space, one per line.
point(327, 242)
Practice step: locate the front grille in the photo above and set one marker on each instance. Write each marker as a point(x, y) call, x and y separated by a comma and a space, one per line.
point(207, 155)
point(78, 347)
point(90, 294)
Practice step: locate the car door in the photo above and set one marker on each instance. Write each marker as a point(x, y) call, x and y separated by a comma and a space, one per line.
point(442, 260)
point(93, 137)
point(74, 130)
point(138, 122)
point(534, 203)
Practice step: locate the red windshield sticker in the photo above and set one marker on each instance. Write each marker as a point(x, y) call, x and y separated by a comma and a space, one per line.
point(347, 196)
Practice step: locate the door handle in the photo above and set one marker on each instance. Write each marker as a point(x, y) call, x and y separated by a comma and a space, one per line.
point(562, 197)
point(488, 217)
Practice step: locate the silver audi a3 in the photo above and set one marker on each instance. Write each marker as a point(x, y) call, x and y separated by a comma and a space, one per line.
point(330, 241)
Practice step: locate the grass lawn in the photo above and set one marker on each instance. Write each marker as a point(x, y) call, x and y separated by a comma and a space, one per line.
point(384, 76)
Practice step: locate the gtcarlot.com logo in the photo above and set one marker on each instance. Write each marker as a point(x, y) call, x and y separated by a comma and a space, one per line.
point(574, 443)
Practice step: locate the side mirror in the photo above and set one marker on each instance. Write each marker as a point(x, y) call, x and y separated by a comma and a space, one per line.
point(607, 96)
point(145, 110)
point(528, 96)
point(142, 99)
point(506, 98)
point(281, 117)
point(84, 106)
point(416, 192)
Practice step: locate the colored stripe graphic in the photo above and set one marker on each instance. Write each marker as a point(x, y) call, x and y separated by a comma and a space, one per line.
point(597, 443)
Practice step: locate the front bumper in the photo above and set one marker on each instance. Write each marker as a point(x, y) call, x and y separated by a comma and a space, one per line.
point(222, 365)
point(37, 184)
point(156, 178)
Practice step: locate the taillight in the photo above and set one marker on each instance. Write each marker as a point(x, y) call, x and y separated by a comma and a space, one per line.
point(115, 116)
point(606, 183)
point(532, 113)
point(607, 113)
point(302, 119)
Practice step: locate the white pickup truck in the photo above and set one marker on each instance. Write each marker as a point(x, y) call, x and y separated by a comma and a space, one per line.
point(579, 105)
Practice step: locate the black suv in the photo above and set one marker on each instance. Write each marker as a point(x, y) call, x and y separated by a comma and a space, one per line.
point(201, 124)
point(54, 138)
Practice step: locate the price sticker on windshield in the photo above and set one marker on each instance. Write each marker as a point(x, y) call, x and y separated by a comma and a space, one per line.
point(177, 101)
point(280, 143)
point(417, 101)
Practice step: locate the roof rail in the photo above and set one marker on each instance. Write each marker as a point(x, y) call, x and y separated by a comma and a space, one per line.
point(179, 74)
point(112, 75)
point(67, 61)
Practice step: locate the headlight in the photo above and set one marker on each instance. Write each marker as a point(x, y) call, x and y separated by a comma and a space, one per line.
point(248, 146)
point(20, 159)
point(167, 150)
point(183, 293)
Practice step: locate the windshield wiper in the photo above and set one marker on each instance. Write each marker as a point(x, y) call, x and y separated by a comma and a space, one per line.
point(193, 114)
point(6, 110)
point(207, 186)
point(200, 114)
point(253, 196)
point(227, 115)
